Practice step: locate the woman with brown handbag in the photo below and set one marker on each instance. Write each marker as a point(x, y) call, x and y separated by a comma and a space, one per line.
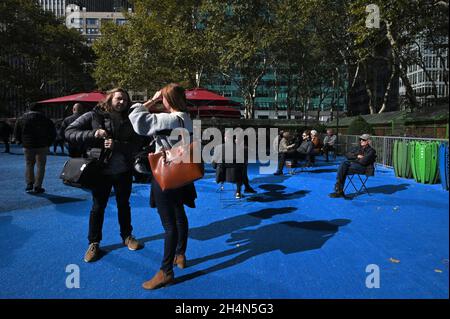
point(170, 203)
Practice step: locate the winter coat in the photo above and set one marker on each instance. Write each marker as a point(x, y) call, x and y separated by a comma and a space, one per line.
point(233, 172)
point(82, 132)
point(34, 130)
point(369, 153)
point(306, 147)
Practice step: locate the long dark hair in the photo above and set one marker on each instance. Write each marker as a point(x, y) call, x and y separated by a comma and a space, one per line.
point(105, 104)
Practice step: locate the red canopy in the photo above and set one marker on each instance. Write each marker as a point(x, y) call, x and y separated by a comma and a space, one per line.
point(201, 96)
point(204, 103)
point(79, 97)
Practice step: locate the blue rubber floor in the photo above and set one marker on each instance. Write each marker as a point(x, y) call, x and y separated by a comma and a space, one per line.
point(290, 240)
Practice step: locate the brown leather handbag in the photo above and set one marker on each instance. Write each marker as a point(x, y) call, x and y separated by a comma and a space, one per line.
point(174, 168)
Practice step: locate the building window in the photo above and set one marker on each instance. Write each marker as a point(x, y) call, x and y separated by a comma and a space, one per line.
point(91, 21)
point(77, 21)
point(121, 21)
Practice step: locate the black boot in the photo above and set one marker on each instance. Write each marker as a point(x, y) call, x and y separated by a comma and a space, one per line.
point(338, 191)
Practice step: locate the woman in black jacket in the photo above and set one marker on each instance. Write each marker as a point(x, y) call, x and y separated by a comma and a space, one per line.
point(170, 203)
point(108, 127)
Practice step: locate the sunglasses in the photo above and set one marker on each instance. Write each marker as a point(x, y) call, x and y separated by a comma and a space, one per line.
point(362, 140)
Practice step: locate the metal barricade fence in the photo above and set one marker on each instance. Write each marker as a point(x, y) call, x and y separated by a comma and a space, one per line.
point(384, 145)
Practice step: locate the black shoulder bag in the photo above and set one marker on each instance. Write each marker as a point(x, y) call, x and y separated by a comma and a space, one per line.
point(84, 172)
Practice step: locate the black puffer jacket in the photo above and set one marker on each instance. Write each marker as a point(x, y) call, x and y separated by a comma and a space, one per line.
point(34, 130)
point(82, 132)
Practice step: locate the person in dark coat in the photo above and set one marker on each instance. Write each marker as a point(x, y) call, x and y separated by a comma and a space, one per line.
point(359, 161)
point(229, 169)
point(242, 145)
point(75, 149)
point(5, 134)
point(36, 133)
point(169, 203)
point(108, 127)
point(59, 140)
point(304, 151)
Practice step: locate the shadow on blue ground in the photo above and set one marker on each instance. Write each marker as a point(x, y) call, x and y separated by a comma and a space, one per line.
point(288, 237)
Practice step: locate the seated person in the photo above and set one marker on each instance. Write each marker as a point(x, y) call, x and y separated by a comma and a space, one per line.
point(233, 172)
point(304, 151)
point(317, 144)
point(359, 160)
point(286, 149)
point(328, 143)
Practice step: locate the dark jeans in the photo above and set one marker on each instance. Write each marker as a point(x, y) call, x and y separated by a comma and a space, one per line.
point(245, 179)
point(122, 184)
point(175, 224)
point(293, 155)
point(326, 149)
point(349, 167)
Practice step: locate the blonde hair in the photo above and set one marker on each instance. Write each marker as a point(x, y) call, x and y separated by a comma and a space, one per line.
point(106, 105)
point(175, 96)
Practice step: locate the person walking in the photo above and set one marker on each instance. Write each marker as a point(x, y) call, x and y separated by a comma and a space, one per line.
point(36, 133)
point(169, 203)
point(107, 127)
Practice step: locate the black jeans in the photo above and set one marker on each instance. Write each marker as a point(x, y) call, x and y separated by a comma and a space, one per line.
point(294, 156)
point(349, 167)
point(174, 221)
point(122, 184)
point(326, 149)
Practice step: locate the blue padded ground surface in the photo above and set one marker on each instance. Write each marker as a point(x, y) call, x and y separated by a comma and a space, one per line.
point(288, 241)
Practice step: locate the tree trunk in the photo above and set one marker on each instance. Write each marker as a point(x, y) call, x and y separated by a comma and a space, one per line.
point(369, 89)
point(392, 67)
point(403, 66)
point(410, 94)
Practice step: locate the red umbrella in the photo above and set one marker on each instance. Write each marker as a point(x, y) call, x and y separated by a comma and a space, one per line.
point(201, 96)
point(90, 97)
point(209, 104)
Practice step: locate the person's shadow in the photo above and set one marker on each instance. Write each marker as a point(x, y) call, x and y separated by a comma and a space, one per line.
point(275, 192)
point(288, 237)
point(227, 226)
point(56, 199)
point(220, 228)
point(383, 189)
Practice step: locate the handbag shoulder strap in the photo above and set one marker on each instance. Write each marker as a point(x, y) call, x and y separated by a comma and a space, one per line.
point(161, 136)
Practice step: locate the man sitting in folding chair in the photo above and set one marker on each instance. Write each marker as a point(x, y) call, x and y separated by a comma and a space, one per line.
point(360, 162)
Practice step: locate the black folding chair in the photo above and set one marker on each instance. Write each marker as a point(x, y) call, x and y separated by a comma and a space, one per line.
point(370, 171)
